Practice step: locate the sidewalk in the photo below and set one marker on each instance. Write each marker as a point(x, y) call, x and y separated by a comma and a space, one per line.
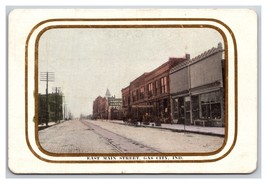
point(50, 124)
point(216, 131)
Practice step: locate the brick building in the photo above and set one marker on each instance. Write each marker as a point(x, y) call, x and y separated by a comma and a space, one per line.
point(149, 94)
point(100, 109)
point(108, 107)
point(197, 89)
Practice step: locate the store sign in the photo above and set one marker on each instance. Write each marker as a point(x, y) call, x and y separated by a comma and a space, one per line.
point(115, 102)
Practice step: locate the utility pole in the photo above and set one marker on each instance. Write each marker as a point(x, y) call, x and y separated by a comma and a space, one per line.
point(47, 77)
point(65, 111)
point(57, 105)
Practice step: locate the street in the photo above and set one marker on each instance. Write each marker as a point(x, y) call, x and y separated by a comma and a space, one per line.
point(90, 136)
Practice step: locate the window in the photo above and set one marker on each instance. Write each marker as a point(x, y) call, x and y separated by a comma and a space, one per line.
point(134, 96)
point(181, 110)
point(157, 89)
point(175, 108)
point(195, 107)
point(163, 84)
point(211, 105)
point(124, 100)
point(129, 100)
point(187, 101)
point(137, 94)
point(142, 93)
point(150, 89)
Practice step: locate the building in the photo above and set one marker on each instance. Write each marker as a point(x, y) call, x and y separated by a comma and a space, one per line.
point(50, 107)
point(126, 101)
point(148, 96)
point(100, 108)
point(138, 104)
point(114, 108)
point(197, 89)
point(107, 95)
point(126, 97)
point(108, 107)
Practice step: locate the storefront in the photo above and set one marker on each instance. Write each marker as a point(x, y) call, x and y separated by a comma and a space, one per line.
point(161, 109)
point(197, 90)
point(149, 94)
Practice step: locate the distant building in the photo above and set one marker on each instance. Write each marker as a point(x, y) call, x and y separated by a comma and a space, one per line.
point(108, 107)
point(107, 95)
point(197, 89)
point(100, 108)
point(114, 108)
point(54, 111)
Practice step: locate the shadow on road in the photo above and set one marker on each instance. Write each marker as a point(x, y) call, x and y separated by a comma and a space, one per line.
point(43, 126)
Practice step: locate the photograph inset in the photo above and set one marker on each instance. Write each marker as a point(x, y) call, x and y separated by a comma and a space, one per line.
point(131, 90)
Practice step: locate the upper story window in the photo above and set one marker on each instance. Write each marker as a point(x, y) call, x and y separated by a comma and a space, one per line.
point(163, 84)
point(142, 93)
point(157, 88)
point(125, 100)
point(150, 89)
point(134, 96)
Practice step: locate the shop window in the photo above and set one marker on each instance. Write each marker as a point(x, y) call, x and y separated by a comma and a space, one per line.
point(165, 106)
point(195, 107)
point(205, 111)
point(187, 110)
point(175, 108)
point(181, 110)
point(211, 105)
point(216, 111)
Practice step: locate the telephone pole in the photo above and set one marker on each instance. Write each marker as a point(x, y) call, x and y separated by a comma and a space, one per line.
point(47, 77)
point(58, 100)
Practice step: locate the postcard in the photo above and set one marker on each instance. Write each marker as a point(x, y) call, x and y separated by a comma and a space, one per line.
point(132, 91)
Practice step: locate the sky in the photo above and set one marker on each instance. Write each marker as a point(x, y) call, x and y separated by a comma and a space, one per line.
point(87, 61)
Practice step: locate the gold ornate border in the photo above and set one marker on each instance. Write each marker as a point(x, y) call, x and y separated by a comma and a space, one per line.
point(127, 26)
